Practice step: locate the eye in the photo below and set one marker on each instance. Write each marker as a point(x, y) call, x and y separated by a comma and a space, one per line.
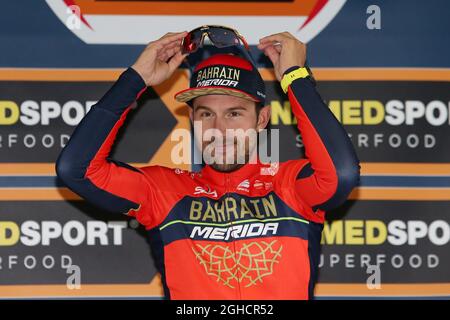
point(205, 114)
point(234, 114)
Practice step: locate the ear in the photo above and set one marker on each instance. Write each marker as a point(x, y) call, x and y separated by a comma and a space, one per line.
point(191, 114)
point(263, 117)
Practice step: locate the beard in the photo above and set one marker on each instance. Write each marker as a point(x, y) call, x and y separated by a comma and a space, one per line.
point(226, 167)
point(228, 158)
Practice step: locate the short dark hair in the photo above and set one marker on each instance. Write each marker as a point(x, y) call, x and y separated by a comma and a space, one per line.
point(258, 107)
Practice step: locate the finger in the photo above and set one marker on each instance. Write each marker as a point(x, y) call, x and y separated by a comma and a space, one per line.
point(289, 35)
point(163, 50)
point(263, 46)
point(274, 37)
point(172, 46)
point(167, 48)
point(170, 34)
point(167, 39)
point(277, 47)
point(169, 53)
point(273, 54)
point(167, 35)
point(176, 60)
point(163, 56)
point(170, 49)
point(175, 37)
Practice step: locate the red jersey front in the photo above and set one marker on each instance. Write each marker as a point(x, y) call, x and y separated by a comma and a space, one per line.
point(253, 233)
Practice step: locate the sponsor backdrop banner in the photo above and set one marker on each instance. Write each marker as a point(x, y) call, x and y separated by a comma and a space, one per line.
point(389, 87)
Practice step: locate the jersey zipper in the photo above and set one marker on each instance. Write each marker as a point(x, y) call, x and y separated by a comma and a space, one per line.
point(229, 191)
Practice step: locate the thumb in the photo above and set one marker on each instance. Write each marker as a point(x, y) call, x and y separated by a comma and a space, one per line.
point(273, 54)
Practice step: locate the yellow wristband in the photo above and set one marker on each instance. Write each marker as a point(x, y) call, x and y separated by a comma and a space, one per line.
point(291, 76)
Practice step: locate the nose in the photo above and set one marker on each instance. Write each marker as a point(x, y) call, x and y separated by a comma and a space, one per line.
point(220, 125)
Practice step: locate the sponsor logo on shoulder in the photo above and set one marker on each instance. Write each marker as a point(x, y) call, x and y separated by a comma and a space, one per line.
point(271, 170)
point(258, 184)
point(244, 186)
point(178, 171)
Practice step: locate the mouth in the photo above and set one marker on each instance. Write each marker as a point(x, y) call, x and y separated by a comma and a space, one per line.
point(223, 148)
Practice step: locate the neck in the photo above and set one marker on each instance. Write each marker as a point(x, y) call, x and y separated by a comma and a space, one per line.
point(228, 168)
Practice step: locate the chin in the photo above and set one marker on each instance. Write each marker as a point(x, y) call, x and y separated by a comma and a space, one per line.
point(226, 167)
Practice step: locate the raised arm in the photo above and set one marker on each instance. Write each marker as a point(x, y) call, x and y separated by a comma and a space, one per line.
point(332, 169)
point(84, 165)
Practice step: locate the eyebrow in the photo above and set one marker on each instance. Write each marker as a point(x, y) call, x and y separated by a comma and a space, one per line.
point(237, 108)
point(228, 109)
point(197, 108)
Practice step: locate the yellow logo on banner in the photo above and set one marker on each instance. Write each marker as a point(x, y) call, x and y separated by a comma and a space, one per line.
point(9, 112)
point(9, 233)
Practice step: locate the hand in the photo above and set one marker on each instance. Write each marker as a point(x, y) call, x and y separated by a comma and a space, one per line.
point(160, 58)
point(284, 50)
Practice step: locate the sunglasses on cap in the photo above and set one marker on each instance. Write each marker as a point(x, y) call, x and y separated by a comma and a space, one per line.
point(220, 37)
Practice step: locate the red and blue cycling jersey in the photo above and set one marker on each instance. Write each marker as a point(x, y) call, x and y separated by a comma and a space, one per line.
point(253, 233)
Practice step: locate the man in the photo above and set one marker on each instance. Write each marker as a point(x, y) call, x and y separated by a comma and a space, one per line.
point(231, 231)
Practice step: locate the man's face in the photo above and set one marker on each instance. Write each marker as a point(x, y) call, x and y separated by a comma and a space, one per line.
point(221, 147)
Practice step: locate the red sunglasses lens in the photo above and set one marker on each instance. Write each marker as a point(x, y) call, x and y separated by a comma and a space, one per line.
point(221, 37)
point(192, 41)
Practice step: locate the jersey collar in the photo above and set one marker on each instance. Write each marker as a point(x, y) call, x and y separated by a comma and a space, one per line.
point(247, 171)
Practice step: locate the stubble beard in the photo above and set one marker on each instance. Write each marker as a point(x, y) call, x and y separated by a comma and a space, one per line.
point(231, 164)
